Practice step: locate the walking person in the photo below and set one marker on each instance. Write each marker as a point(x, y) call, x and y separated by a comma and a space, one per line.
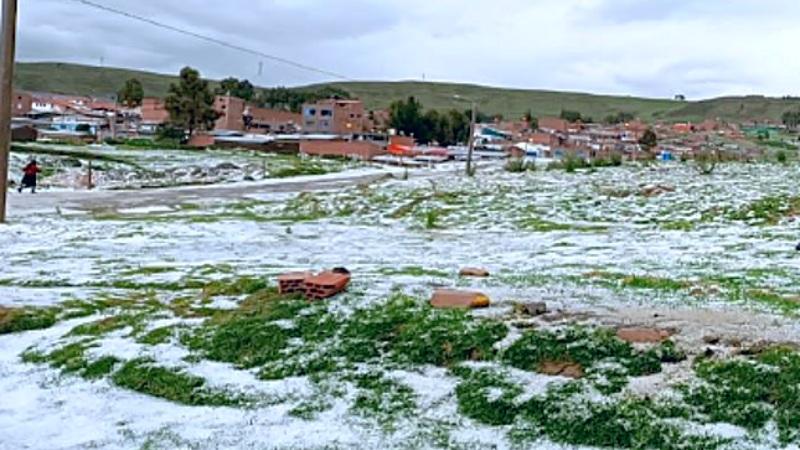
point(30, 171)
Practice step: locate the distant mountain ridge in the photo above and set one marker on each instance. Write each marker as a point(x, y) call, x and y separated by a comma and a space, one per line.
point(66, 78)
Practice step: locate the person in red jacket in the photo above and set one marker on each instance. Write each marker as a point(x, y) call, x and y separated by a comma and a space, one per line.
point(29, 178)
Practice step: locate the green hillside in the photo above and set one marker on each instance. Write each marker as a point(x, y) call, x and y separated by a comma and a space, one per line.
point(508, 102)
point(101, 81)
point(65, 78)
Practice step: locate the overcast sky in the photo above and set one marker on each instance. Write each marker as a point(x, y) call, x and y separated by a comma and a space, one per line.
point(655, 48)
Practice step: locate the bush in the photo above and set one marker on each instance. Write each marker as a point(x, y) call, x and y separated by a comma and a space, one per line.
point(518, 165)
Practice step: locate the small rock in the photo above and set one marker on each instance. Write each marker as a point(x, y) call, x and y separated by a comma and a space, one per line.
point(712, 340)
point(709, 352)
point(473, 272)
point(564, 369)
point(531, 309)
point(734, 342)
point(652, 191)
point(643, 335)
point(697, 292)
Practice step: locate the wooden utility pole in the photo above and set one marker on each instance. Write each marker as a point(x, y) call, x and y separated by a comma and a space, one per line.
point(471, 144)
point(8, 42)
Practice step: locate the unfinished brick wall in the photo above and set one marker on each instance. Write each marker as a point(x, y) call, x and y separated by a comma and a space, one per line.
point(347, 149)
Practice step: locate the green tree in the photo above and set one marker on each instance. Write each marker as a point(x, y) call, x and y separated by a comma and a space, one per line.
point(293, 99)
point(131, 94)
point(791, 119)
point(238, 88)
point(649, 140)
point(190, 102)
point(620, 117)
point(406, 116)
point(571, 116)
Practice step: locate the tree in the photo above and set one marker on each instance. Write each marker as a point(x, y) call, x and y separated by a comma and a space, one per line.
point(131, 94)
point(190, 102)
point(293, 99)
point(571, 116)
point(791, 119)
point(406, 116)
point(618, 118)
point(237, 88)
point(649, 140)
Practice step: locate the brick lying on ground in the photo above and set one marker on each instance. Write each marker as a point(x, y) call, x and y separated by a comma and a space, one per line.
point(473, 272)
point(314, 287)
point(293, 282)
point(643, 335)
point(453, 299)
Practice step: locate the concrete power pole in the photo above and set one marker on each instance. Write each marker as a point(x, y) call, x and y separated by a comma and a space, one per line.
point(8, 42)
point(471, 145)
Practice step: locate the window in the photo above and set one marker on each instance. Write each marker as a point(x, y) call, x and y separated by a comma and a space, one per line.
point(311, 112)
point(326, 113)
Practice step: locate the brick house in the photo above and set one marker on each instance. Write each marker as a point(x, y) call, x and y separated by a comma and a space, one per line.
point(333, 116)
point(237, 115)
point(553, 125)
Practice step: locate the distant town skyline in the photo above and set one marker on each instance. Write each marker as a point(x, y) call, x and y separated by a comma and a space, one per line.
point(699, 48)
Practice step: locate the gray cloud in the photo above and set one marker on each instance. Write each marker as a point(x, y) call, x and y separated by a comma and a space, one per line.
point(641, 47)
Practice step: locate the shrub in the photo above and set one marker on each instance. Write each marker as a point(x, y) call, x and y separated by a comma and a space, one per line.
point(519, 165)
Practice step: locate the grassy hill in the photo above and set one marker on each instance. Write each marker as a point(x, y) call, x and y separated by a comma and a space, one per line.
point(65, 78)
point(101, 81)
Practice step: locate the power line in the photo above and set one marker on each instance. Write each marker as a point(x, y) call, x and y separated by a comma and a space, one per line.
point(213, 40)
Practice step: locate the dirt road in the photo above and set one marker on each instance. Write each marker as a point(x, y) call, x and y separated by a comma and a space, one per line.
point(48, 202)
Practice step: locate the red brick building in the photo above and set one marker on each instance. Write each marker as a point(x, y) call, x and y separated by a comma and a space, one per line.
point(334, 116)
point(22, 104)
point(153, 111)
point(364, 150)
point(237, 115)
point(553, 125)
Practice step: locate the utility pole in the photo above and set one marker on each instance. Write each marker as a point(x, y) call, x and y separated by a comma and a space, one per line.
point(471, 144)
point(8, 41)
point(472, 125)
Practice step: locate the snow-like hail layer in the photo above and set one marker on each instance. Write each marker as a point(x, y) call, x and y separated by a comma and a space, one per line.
point(40, 409)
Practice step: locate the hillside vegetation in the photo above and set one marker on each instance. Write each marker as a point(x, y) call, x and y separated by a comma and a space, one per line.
point(103, 81)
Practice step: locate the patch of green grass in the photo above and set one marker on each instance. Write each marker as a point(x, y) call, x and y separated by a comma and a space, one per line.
point(751, 392)
point(72, 359)
point(402, 331)
point(638, 281)
point(408, 332)
point(383, 399)
point(767, 211)
point(585, 347)
point(147, 270)
point(568, 414)
point(142, 375)
point(107, 325)
point(239, 286)
point(487, 396)
point(13, 320)
point(678, 225)
point(545, 226)
point(100, 368)
point(432, 219)
point(157, 336)
point(413, 271)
